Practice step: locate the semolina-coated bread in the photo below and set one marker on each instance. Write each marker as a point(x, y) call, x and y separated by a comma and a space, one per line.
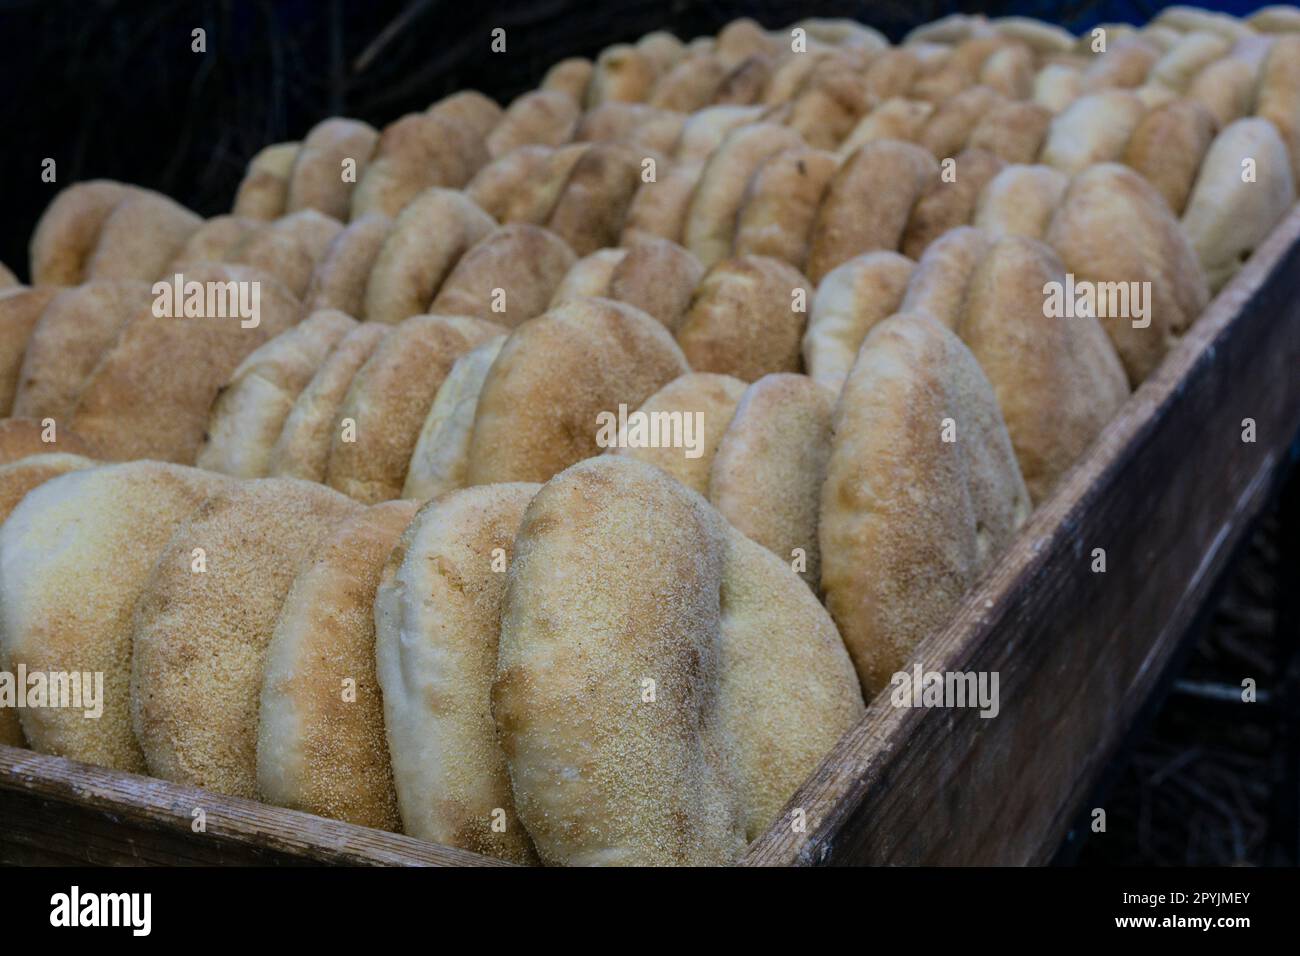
point(747, 319)
point(868, 203)
point(704, 131)
point(415, 153)
point(744, 84)
point(589, 277)
point(200, 638)
point(1020, 201)
point(1277, 97)
point(830, 104)
point(478, 113)
point(321, 746)
point(1057, 379)
point(1193, 51)
point(660, 705)
point(715, 206)
point(389, 400)
point(507, 277)
point(1012, 131)
point(539, 117)
point(495, 187)
point(440, 462)
point(538, 411)
point(897, 118)
point(1113, 226)
point(622, 74)
point(251, 409)
point(570, 76)
point(289, 248)
point(217, 240)
point(1167, 148)
point(426, 242)
point(317, 179)
point(339, 279)
point(17, 478)
point(1056, 86)
point(938, 284)
point(657, 276)
point(57, 617)
point(140, 237)
point(1125, 64)
point(264, 191)
point(78, 326)
point(20, 310)
point(948, 203)
point(909, 520)
point(302, 449)
point(768, 470)
point(1227, 218)
point(437, 619)
point(20, 437)
point(691, 84)
point(947, 130)
point(781, 203)
point(68, 231)
point(592, 204)
point(851, 299)
point(1226, 88)
point(1095, 128)
point(644, 128)
point(695, 409)
point(150, 394)
point(659, 209)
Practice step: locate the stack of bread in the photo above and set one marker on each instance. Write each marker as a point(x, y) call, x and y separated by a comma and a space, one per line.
point(371, 556)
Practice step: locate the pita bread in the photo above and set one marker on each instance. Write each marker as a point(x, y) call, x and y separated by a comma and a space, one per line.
point(264, 191)
point(507, 277)
point(68, 231)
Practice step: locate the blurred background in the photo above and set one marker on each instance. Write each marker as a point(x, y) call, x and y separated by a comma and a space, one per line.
point(111, 88)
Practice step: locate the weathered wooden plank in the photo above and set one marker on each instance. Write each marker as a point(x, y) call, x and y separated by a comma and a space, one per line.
point(57, 811)
point(1168, 490)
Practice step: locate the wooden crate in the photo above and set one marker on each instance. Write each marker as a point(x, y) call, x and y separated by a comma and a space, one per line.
point(1168, 491)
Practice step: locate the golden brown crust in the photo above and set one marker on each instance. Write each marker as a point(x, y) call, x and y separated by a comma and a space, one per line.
point(636, 125)
point(745, 319)
point(56, 617)
point(303, 446)
point(946, 132)
point(537, 412)
point(140, 238)
point(343, 269)
point(710, 400)
point(1057, 379)
point(657, 276)
point(150, 394)
point(1020, 201)
point(68, 230)
point(868, 203)
point(415, 153)
point(264, 191)
point(508, 276)
point(77, 327)
point(691, 84)
point(200, 639)
point(589, 277)
point(494, 187)
point(852, 299)
point(658, 209)
point(289, 248)
point(1167, 148)
point(317, 179)
point(20, 310)
point(745, 82)
point(944, 204)
point(440, 461)
point(622, 73)
point(426, 242)
point(1094, 129)
point(769, 467)
point(907, 519)
point(214, 241)
point(1113, 226)
point(477, 114)
point(593, 202)
point(389, 399)
point(897, 118)
point(249, 412)
point(321, 746)
point(938, 286)
point(569, 76)
point(718, 624)
point(1014, 132)
point(437, 619)
point(541, 117)
point(781, 202)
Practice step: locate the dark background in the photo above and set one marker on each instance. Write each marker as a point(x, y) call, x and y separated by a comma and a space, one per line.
point(110, 88)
